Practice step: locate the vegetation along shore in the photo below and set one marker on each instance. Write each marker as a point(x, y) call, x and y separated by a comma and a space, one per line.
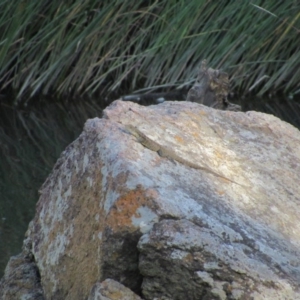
point(81, 48)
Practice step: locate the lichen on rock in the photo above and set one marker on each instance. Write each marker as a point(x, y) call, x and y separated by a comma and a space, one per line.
point(172, 201)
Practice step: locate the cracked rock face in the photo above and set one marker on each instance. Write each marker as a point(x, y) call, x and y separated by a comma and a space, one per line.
point(207, 267)
point(172, 200)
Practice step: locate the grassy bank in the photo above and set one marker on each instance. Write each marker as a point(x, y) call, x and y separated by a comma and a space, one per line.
point(83, 47)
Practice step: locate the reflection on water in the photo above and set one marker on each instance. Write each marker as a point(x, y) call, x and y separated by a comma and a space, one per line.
point(30, 143)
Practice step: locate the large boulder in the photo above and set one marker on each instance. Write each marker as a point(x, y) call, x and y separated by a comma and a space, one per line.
point(174, 201)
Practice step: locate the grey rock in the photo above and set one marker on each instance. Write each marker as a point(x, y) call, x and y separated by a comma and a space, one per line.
point(211, 89)
point(21, 280)
point(110, 289)
point(186, 260)
point(209, 194)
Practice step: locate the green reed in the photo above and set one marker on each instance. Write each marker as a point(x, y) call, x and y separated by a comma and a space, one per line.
point(84, 47)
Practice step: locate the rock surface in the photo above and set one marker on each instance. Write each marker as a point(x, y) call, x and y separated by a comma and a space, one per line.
point(211, 89)
point(21, 280)
point(110, 289)
point(173, 200)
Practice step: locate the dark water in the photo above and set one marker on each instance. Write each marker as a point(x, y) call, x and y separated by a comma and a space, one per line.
point(31, 141)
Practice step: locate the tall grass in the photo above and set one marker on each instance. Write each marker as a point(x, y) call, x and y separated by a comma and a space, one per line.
point(83, 47)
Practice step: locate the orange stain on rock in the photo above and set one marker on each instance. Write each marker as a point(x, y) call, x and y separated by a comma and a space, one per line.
point(221, 192)
point(219, 155)
point(179, 139)
point(126, 207)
